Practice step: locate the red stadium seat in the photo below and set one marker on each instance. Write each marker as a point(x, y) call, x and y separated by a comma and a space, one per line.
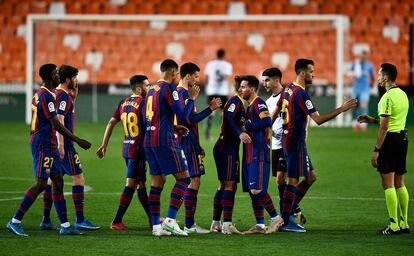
point(366, 27)
point(217, 8)
point(255, 8)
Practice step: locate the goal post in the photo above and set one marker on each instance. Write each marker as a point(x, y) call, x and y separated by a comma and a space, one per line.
point(338, 23)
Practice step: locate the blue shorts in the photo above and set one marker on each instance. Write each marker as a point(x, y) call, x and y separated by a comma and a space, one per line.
point(166, 160)
point(256, 176)
point(362, 95)
point(71, 164)
point(136, 169)
point(298, 163)
point(45, 162)
point(195, 162)
point(227, 163)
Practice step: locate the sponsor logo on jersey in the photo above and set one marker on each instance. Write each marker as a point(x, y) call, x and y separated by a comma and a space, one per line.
point(175, 95)
point(51, 106)
point(62, 105)
point(232, 108)
point(309, 104)
point(262, 106)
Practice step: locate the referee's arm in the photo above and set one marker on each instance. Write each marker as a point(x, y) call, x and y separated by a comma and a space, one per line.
point(382, 131)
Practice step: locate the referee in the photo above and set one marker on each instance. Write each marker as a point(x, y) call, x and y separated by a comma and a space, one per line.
point(390, 152)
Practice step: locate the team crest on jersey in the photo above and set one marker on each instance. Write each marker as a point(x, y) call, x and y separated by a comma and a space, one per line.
point(62, 105)
point(232, 108)
point(51, 106)
point(262, 106)
point(309, 104)
point(175, 95)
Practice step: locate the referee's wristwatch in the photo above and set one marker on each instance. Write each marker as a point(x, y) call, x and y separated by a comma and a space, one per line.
point(376, 149)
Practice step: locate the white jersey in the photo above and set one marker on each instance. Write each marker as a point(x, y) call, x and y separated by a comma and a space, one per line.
point(277, 129)
point(217, 72)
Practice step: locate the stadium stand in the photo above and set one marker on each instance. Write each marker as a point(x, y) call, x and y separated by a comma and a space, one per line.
point(383, 26)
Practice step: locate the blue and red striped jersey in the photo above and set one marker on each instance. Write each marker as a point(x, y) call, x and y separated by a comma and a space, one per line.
point(65, 106)
point(295, 106)
point(131, 112)
point(162, 103)
point(233, 116)
point(191, 142)
point(258, 123)
point(42, 133)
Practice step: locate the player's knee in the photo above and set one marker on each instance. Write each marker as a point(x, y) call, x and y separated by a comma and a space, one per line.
point(182, 175)
point(78, 180)
point(40, 185)
point(186, 180)
point(399, 181)
point(195, 183)
point(221, 186)
point(255, 191)
point(131, 183)
point(57, 180)
point(230, 185)
point(141, 185)
point(158, 181)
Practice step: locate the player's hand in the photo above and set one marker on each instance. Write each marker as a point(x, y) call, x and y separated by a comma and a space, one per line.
point(365, 119)
point(61, 152)
point(374, 159)
point(246, 124)
point(215, 104)
point(101, 151)
point(180, 130)
point(84, 143)
point(193, 92)
point(245, 138)
point(348, 104)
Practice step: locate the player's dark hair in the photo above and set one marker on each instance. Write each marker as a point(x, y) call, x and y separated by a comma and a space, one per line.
point(252, 81)
point(221, 53)
point(66, 71)
point(45, 71)
point(273, 72)
point(137, 80)
point(302, 64)
point(188, 68)
point(390, 70)
point(168, 64)
point(237, 80)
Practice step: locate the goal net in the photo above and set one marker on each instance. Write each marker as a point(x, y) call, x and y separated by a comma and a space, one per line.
point(108, 49)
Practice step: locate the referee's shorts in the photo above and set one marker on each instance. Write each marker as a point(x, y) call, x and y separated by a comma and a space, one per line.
point(278, 161)
point(393, 153)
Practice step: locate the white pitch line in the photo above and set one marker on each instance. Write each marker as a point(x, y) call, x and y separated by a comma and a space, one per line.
point(89, 188)
point(208, 196)
point(86, 189)
point(16, 178)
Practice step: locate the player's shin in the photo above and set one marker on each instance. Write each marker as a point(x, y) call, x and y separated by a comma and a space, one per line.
point(176, 197)
point(190, 203)
point(124, 201)
point(154, 204)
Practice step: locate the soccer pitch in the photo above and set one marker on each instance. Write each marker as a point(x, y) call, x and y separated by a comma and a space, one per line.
point(344, 208)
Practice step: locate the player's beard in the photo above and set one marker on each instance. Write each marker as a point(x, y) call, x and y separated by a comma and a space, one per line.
point(308, 81)
point(71, 85)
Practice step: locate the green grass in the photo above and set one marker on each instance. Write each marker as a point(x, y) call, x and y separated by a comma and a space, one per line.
point(344, 208)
